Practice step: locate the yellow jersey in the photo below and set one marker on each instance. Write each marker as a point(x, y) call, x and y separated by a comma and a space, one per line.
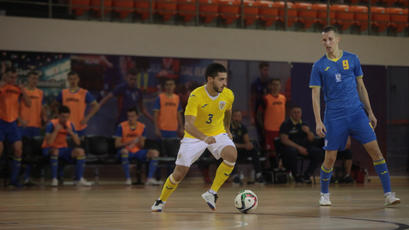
point(209, 111)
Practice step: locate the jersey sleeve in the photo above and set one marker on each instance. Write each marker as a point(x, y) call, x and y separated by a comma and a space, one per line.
point(89, 98)
point(118, 90)
point(118, 132)
point(284, 129)
point(144, 133)
point(157, 104)
point(49, 128)
point(315, 78)
point(231, 100)
point(358, 69)
point(192, 105)
point(73, 128)
point(59, 98)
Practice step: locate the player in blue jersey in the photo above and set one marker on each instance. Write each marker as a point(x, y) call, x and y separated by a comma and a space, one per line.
point(347, 111)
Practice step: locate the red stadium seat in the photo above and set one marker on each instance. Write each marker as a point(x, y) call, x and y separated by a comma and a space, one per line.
point(250, 12)
point(380, 18)
point(96, 6)
point(360, 16)
point(398, 18)
point(229, 10)
point(306, 15)
point(389, 2)
point(343, 16)
point(373, 2)
point(123, 7)
point(404, 3)
point(187, 9)
point(80, 6)
point(267, 12)
point(142, 8)
point(208, 10)
point(166, 8)
point(322, 14)
point(291, 12)
point(354, 1)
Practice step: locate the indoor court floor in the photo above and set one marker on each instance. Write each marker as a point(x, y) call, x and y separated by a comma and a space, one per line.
point(117, 207)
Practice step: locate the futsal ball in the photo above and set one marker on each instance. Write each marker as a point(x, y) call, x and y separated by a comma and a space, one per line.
point(246, 201)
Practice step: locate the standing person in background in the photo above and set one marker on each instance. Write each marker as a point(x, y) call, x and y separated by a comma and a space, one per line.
point(272, 116)
point(348, 111)
point(10, 95)
point(77, 99)
point(31, 118)
point(128, 96)
point(257, 91)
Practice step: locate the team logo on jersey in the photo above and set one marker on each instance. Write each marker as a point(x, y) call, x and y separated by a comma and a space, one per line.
point(338, 77)
point(222, 104)
point(326, 69)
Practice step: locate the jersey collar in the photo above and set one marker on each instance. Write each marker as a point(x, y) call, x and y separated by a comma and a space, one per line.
point(211, 97)
point(335, 59)
point(294, 122)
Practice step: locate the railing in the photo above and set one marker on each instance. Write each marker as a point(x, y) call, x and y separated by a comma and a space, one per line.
point(285, 15)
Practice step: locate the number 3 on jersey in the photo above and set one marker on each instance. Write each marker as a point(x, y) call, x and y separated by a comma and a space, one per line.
point(210, 119)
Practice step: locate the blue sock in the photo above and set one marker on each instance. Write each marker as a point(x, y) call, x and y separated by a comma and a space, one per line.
point(15, 169)
point(325, 175)
point(54, 166)
point(382, 170)
point(27, 172)
point(125, 165)
point(153, 164)
point(79, 168)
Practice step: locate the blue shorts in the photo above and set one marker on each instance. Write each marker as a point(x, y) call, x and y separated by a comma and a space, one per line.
point(169, 134)
point(140, 155)
point(9, 131)
point(29, 132)
point(63, 153)
point(355, 125)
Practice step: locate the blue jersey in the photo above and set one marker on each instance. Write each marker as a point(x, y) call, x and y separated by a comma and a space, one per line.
point(338, 81)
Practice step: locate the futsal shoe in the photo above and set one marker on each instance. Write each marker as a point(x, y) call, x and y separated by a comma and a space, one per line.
point(210, 199)
point(324, 200)
point(153, 181)
point(158, 206)
point(391, 199)
point(128, 181)
point(83, 182)
point(54, 182)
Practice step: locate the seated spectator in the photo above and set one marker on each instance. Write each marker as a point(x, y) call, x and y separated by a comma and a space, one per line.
point(244, 146)
point(297, 138)
point(55, 145)
point(130, 141)
point(346, 156)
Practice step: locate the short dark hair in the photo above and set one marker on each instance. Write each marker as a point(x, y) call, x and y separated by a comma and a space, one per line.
point(262, 65)
point(132, 71)
point(276, 79)
point(295, 107)
point(213, 69)
point(163, 82)
point(63, 109)
point(133, 109)
point(235, 111)
point(71, 73)
point(330, 28)
point(10, 70)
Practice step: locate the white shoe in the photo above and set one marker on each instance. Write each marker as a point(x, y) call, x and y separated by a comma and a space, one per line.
point(210, 199)
point(83, 182)
point(324, 200)
point(153, 181)
point(390, 199)
point(158, 206)
point(128, 181)
point(54, 182)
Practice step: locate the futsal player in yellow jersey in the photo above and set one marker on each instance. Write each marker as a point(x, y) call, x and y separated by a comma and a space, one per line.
point(207, 125)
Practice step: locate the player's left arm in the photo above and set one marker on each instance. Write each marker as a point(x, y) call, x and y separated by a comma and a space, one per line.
point(144, 111)
point(94, 108)
point(363, 95)
point(227, 119)
point(25, 97)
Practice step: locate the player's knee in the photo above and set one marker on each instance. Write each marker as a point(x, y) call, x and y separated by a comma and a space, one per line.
point(54, 152)
point(153, 153)
point(79, 152)
point(124, 152)
point(229, 153)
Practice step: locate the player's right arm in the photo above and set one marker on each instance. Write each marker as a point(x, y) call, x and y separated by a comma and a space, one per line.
point(105, 99)
point(315, 85)
point(51, 132)
point(192, 130)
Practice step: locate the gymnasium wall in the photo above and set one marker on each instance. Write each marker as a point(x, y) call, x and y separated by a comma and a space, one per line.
point(53, 35)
